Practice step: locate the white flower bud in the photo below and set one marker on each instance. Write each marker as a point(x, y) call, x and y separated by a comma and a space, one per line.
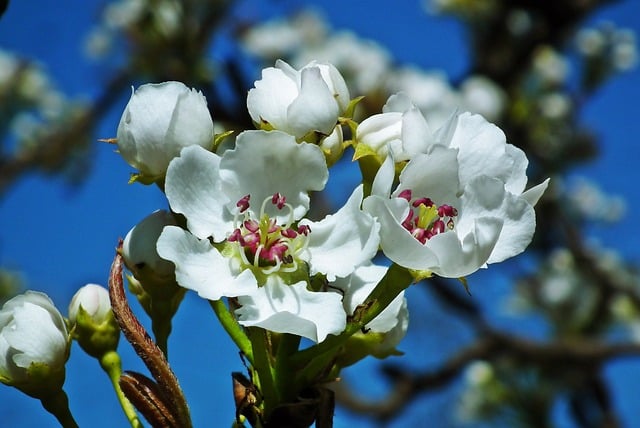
point(94, 300)
point(299, 102)
point(34, 343)
point(139, 249)
point(159, 120)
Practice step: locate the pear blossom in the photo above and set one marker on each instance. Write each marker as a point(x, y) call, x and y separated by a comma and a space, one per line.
point(459, 205)
point(159, 120)
point(247, 236)
point(299, 101)
point(34, 343)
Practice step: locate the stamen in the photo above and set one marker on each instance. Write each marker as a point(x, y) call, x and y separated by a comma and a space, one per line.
point(243, 203)
point(278, 200)
point(425, 219)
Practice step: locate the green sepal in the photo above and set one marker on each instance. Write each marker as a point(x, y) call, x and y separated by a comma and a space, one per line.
point(265, 125)
point(218, 138)
point(95, 339)
point(39, 381)
point(362, 150)
point(419, 275)
point(465, 284)
point(351, 107)
point(137, 177)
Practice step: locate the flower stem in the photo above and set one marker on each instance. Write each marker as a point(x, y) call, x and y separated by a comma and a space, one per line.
point(57, 404)
point(262, 364)
point(110, 363)
point(283, 376)
point(233, 329)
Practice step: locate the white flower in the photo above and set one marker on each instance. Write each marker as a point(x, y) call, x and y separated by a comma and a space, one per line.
point(299, 102)
point(33, 341)
point(459, 206)
point(249, 202)
point(139, 249)
point(94, 300)
point(159, 120)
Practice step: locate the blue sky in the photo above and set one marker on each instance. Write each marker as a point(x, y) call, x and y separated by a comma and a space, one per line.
point(62, 238)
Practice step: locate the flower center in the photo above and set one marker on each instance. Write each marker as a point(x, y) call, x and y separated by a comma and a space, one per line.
point(425, 218)
point(264, 243)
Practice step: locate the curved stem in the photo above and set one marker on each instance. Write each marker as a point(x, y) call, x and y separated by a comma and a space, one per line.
point(233, 329)
point(57, 404)
point(110, 363)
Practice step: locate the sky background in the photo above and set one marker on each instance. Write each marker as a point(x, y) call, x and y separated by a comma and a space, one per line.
point(61, 238)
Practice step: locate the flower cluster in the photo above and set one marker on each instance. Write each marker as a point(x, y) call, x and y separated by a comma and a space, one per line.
point(445, 200)
point(458, 203)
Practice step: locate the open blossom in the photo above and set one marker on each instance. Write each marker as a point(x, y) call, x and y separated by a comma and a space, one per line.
point(299, 101)
point(159, 120)
point(34, 342)
point(459, 205)
point(247, 236)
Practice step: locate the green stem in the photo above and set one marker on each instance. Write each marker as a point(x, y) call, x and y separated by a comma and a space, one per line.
point(284, 377)
point(233, 329)
point(57, 403)
point(390, 286)
point(262, 364)
point(110, 363)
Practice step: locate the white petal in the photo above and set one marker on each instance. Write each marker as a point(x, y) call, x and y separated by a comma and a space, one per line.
point(36, 337)
point(534, 194)
point(293, 309)
point(342, 241)
point(383, 180)
point(358, 286)
point(434, 176)
point(482, 150)
point(396, 242)
point(416, 134)
point(201, 268)
point(193, 188)
point(486, 197)
point(460, 256)
point(269, 100)
point(264, 163)
point(315, 108)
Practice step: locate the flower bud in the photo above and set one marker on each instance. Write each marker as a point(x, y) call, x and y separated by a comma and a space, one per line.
point(94, 300)
point(94, 326)
point(140, 254)
point(34, 344)
point(299, 102)
point(400, 130)
point(153, 281)
point(159, 120)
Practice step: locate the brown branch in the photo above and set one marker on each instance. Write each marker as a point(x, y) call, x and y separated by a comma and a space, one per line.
point(579, 355)
point(146, 349)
